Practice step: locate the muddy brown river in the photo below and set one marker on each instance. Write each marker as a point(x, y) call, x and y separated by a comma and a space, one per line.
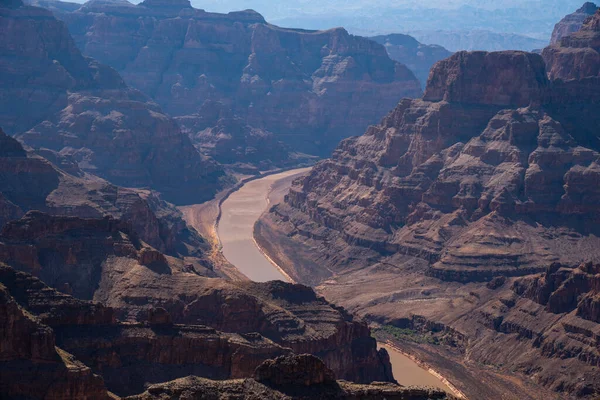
point(240, 212)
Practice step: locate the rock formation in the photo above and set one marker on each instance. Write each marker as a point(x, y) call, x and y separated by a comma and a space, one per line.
point(32, 367)
point(55, 98)
point(309, 88)
point(573, 22)
point(291, 377)
point(439, 172)
point(486, 181)
point(31, 182)
point(576, 56)
point(155, 345)
point(418, 57)
point(228, 139)
point(103, 260)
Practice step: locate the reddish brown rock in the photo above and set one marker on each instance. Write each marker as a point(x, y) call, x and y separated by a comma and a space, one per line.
point(491, 177)
point(577, 55)
point(29, 182)
point(30, 364)
point(230, 140)
point(290, 377)
point(573, 22)
point(309, 88)
point(53, 97)
point(301, 370)
point(417, 56)
point(563, 290)
point(102, 260)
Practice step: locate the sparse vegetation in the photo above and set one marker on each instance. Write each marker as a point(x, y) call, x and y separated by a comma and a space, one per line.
point(390, 331)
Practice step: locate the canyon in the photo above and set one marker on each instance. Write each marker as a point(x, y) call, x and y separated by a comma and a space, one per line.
point(106, 289)
point(453, 223)
point(54, 98)
point(143, 146)
point(308, 89)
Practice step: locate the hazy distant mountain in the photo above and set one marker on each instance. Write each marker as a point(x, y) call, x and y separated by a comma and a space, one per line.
point(479, 40)
point(535, 18)
point(417, 56)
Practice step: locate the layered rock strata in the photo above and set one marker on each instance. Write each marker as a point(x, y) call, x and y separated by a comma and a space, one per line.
point(53, 97)
point(31, 182)
point(425, 222)
point(103, 260)
point(573, 22)
point(576, 56)
point(30, 364)
point(310, 88)
point(417, 56)
point(293, 377)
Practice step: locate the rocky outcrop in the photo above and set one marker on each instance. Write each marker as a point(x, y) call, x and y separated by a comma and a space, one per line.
point(102, 260)
point(563, 290)
point(228, 139)
point(30, 182)
point(417, 56)
point(488, 179)
point(573, 22)
point(309, 88)
point(292, 377)
point(30, 364)
point(54, 98)
point(576, 56)
point(130, 355)
point(453, 178)
point(301, 370)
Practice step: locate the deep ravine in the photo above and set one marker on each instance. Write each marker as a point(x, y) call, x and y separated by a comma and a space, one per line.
point(235, 229)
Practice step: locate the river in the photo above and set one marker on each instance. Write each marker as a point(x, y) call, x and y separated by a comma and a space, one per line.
point(240, 212)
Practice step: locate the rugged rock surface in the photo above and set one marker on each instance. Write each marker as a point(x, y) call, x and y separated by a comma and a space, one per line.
point(455, 178)
point(302, 370)
point(417, 56)
point(577, 55)
point(102, 260)
point(573, 22)
point(30, 182)
point(310, 88)
point(491, 175)
point(228, 139)
point(291, 377)
point(30, 364)
point(563, 290)
point(54, 98)
point(130, 356)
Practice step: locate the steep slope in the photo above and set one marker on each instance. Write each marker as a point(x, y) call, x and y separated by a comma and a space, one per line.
point(573, 22)
point(292, 377)
point(228, 139)
point(103, 260)
point(152, 350)
point(31, 182)
point(32, 367)
point(54, 98)
point(417, 56)
point(310, 88)
point(492, 175)
point(576, 56)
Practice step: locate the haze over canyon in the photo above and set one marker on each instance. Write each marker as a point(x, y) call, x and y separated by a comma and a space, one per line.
point(206, 201)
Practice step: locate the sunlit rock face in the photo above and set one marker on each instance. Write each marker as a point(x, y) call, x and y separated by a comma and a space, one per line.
point(573, 22)
point(465, 213)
